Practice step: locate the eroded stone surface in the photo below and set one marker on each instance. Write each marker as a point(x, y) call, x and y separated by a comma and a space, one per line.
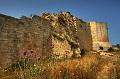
point(61, 34)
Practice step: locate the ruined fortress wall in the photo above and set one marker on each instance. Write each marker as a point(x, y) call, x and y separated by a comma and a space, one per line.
point(8, 46)
point(63, 30)
point(84, 37)
point(99, 33)
point(102, 32)
point(26, 37)
point(37, 37)
point(66, 24)
point(61, 48)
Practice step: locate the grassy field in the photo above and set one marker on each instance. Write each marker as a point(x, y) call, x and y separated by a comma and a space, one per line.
point(90, 66)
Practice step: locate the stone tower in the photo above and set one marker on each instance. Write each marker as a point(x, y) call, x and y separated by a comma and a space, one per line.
point(99, 32)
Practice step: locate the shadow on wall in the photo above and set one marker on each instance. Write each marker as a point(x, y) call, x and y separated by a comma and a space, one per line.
point(90, 36)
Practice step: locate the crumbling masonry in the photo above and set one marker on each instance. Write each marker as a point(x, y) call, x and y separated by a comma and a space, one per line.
point(60, 34)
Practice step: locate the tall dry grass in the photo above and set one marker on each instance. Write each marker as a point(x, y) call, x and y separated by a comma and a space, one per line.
point(86, 67)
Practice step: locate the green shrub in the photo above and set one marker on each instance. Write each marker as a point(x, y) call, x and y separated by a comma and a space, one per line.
point(110, 49)
point(82, 52)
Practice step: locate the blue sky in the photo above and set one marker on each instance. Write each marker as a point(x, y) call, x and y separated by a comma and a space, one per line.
point(98, 10)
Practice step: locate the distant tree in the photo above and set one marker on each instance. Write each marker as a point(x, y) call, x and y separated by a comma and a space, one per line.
point(118, 46)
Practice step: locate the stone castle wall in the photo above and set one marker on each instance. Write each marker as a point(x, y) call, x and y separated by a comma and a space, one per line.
point(99, 34)
point(61, 48)
point(24, 37)
point(65, 24)
point(84, 37)
point(7, 39)
point(36, 37)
